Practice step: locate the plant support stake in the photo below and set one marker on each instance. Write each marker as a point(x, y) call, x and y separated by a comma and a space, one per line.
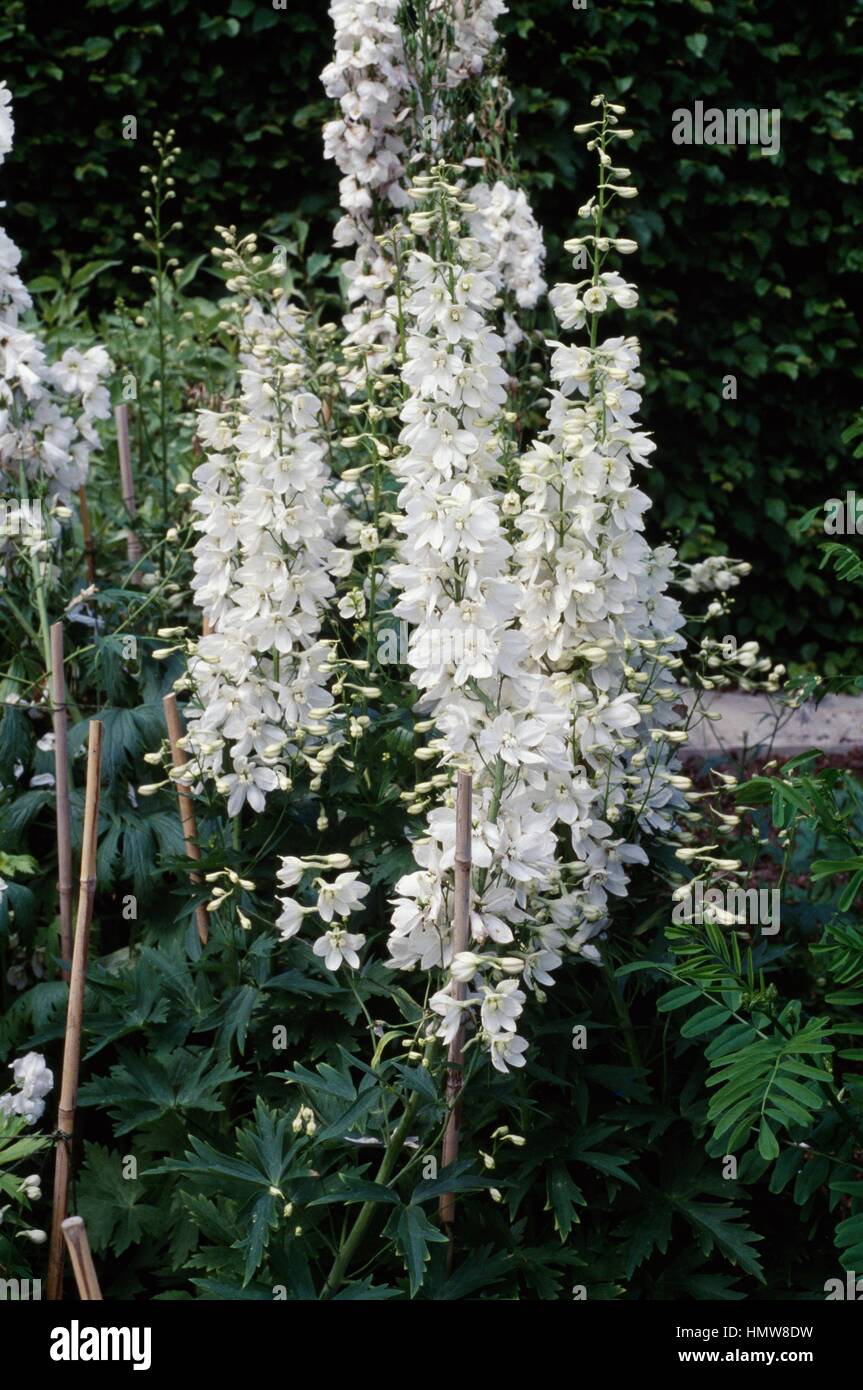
point(60, 716)
point(75, 1011)
point(75, 1235)
point(461, 919)
point(187, 806)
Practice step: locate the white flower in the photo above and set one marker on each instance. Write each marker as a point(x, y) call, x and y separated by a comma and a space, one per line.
point(290, 919)
point(501, 1006)
point(341, 898)
point(337, 946)
point(291, 871)
point(262, 568)
point(35, 1237)
point(451, 1011)
point(34, 1080)
point(247, 783)
point(507, 1050)
point(47, 410)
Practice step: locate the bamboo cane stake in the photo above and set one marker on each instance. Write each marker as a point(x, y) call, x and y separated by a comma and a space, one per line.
point(61, 780)
point(127, 482)
point(75, 1011)
point(461, 919)
point(187, 807)
point(75, 1234)
point(89, 552)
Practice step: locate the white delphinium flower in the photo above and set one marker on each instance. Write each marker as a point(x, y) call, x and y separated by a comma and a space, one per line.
point(472, 26)
point(34, 1080)
point(568, 674)
point(369, 79)
point(505, 226)
point(388, 119)
point(594, 601)
point(716, 574)
point(264, 561)
point(341, 898)
point(457, 592)
point(47, 410)
point(338, 946)
point(334, 903)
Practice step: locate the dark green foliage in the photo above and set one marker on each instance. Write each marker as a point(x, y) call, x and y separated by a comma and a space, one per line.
point(750, 266)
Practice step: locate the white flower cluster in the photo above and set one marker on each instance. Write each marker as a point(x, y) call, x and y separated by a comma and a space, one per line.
point(505, 226)
point(369, 79)
point(472, 26)
point(47, 410)
point(716, 574)
point(33, 1080)
point(495, 710)
point(379, 133)
point(263, 568)
point(334, 903)
point(542, 635)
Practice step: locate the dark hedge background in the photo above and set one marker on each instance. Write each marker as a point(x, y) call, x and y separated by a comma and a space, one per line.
point(749, 266)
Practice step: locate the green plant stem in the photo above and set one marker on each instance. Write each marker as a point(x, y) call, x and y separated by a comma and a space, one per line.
point(623, 1017)
point(351, 1243)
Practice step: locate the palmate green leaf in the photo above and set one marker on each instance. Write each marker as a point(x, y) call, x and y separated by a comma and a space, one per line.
point(41, 1010)
point(365, 1291)
point(716, 1225)
point(18, 814)
point(220, 1290)
point(209, 1165)
point(350, 1118)
point(478, 1269)
point(325, 1080)
point(414, 1233)
point(128, 1011)
point(456, 1177)
point(261, 1221)
point(344, 1187)
point(232, 1016)
point(267, 1142)
point(650, 1231)
point(138, 1091)
point(563, 1196)
point(114, 1207)
point(585, 1148)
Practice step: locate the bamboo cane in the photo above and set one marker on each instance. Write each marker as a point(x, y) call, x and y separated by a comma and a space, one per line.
point(89, 552)
point(61, 779)
point(75, 1011)
point(187, 807)
point(461, 918)
point(127, 482)
point(75, 1233)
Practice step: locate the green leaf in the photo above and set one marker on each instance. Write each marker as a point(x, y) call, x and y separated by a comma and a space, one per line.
point(414, 1234)
point(767, 1143)
point(114, 1206)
